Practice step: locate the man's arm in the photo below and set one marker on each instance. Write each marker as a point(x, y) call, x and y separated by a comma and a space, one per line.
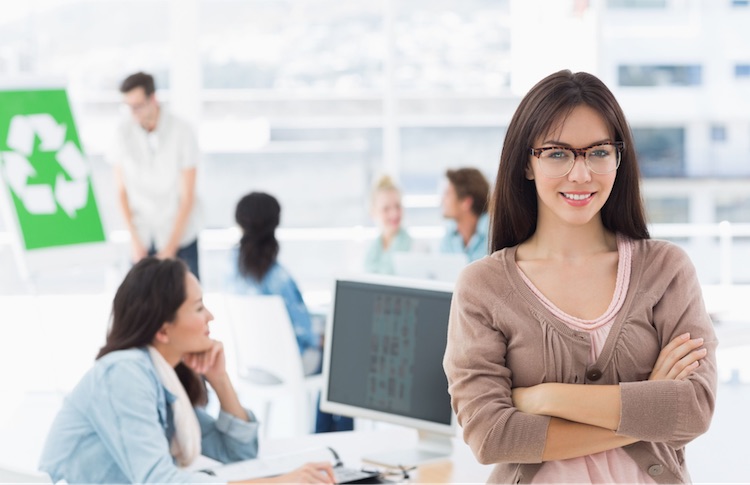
point(137, 248)
point(187, 201)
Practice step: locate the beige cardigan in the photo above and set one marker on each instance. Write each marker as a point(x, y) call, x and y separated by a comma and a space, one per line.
point(500, 337)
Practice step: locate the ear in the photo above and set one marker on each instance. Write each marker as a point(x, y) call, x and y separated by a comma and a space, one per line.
point(162, 336)
point(529, 172)
point(467, 202)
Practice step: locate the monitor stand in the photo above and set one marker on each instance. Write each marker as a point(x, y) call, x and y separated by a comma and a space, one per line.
point(430, 447)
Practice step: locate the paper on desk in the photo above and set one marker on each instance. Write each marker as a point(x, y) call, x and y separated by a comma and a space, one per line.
point(270, 465)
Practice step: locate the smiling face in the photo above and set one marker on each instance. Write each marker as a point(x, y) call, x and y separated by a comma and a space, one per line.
point(188, 332)
point(387, 210)
point(577, 198)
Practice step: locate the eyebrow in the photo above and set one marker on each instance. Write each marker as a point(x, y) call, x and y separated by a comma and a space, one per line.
point(563, 144)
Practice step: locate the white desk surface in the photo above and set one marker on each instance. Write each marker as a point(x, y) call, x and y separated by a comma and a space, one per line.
point(352, 445)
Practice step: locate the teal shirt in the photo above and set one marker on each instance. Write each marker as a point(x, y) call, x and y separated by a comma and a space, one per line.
point(380, 260)
point(478, 245)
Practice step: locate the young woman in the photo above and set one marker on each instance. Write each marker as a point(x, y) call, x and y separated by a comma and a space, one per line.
point(136, 416)
point(257, 271)
point(580, 350)
point(386, 210)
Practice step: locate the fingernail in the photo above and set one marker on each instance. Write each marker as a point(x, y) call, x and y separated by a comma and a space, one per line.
point(685, 336)
point(698, 340)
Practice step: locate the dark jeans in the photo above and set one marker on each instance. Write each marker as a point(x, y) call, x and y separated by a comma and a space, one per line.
point(326, 423)
point(189, 254)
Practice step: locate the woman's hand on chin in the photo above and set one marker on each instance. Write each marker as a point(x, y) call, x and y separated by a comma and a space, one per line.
point(210, 363)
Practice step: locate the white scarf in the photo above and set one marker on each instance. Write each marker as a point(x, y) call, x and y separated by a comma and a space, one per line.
point(186, 442)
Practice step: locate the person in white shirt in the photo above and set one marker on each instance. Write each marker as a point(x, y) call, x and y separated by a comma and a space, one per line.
point(155, 157)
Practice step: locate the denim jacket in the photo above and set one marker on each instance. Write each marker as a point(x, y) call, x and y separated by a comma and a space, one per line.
point(116, 426)
point(278, 281)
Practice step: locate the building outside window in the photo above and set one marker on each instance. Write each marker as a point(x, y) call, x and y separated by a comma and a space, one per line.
point(659, 75)
point(661, 151)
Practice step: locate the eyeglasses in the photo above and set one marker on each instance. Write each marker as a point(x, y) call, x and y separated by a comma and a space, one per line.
point(601, 159)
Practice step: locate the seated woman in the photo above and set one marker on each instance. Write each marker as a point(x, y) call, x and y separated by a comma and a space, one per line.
point(257, 271)
point(387, 211)
point(136, 416)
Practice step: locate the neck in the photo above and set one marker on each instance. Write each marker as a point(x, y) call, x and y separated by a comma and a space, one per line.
point(170, 356)
point(569, 242)
point(467, 226)
point(387, 236)
point(151, 126)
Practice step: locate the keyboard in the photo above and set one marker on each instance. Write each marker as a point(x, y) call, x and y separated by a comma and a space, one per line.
point(350, 475)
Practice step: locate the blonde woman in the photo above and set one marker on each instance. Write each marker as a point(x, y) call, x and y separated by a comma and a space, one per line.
point(386, 210)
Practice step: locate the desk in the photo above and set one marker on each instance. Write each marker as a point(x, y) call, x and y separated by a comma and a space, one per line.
point(352, 445)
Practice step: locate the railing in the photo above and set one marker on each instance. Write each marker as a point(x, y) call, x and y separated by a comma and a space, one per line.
point(223, 239)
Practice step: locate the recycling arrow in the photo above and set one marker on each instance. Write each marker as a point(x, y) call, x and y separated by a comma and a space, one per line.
point(71, 195)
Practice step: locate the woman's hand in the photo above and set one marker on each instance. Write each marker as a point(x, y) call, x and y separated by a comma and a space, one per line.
point(678, 358)
point(210, 363)
point(320, 472)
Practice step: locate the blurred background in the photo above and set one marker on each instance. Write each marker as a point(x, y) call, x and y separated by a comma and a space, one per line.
point(312, 100)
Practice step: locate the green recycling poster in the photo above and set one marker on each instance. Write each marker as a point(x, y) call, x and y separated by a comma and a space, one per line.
point(45, 170)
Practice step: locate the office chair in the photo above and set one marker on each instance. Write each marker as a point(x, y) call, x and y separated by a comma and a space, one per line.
point(269, 365)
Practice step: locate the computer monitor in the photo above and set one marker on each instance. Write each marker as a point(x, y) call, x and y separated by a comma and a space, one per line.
point(431, 266)
point(383, 360)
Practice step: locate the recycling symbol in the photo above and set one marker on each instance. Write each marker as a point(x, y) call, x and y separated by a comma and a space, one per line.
point(70, 195)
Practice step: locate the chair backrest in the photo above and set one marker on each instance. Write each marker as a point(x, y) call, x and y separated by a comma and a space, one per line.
point(13, 475)
point(265, 345)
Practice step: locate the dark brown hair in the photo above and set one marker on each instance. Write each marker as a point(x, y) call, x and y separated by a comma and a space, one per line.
point(138, 80)
point(150, 295)
point(258, 214)
point(469, 182)
point(513, 208)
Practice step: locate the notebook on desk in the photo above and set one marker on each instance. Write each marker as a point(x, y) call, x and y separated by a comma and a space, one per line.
point(269, 466)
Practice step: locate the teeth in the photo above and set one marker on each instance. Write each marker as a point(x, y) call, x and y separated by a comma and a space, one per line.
point(576, 196)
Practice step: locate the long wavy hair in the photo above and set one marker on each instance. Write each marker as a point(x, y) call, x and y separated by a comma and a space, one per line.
point(258, 215)
point(148, 297)
point(513, 207)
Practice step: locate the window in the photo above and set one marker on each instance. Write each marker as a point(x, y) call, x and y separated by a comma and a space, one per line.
point(636, 3)
point(718, 133)
point(733, 208)
point(661, 151)
point(742, 71)
point(640, 75)
point(668, 210)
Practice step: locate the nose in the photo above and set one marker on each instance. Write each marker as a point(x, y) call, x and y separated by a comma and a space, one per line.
point(580, 171)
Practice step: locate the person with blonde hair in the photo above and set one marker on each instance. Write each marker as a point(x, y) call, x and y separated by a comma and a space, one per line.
point(387, 211)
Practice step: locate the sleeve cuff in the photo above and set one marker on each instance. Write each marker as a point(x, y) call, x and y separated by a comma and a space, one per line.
point(242, 431)
point(648, 409)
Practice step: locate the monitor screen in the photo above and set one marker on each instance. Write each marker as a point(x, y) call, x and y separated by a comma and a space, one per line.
point(385, 342)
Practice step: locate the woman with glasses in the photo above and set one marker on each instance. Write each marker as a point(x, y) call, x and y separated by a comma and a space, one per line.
point(580, 350)
point(137, 416)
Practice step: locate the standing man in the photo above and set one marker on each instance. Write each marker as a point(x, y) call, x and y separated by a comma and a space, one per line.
point(155, 161)
point(465, 204)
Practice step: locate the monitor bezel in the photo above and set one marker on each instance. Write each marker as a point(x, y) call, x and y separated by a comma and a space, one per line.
point(362, 412)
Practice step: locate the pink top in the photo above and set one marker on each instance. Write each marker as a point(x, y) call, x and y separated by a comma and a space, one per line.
point(611, 466)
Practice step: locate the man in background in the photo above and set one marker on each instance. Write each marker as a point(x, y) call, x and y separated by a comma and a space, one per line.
point(465, 204)
point(155, 157)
